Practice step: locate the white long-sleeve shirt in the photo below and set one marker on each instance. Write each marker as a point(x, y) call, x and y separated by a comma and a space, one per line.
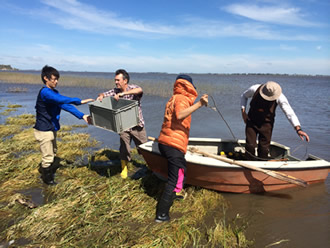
point(282, 101)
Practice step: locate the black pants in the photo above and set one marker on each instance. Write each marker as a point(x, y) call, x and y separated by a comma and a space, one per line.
point(176, 171)
point(264, 132)
point(176, 168)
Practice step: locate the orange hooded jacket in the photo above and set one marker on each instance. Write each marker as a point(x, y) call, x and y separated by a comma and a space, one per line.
point(175, 133)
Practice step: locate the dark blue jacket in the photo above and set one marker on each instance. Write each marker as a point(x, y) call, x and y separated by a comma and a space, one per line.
point(48, 107)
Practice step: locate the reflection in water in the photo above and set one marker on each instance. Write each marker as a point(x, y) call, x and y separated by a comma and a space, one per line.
point(255, 184)
point(299, 215)
point(276, 194)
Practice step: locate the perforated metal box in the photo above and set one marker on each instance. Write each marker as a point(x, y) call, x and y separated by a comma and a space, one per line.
point(113, 115)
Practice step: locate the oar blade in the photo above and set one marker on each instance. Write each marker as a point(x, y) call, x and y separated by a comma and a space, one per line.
point(286, 178)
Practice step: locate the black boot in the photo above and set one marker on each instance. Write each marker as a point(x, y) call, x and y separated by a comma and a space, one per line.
point(39, 169)
point(55, 165)
point(47, 176)
point(163, 207)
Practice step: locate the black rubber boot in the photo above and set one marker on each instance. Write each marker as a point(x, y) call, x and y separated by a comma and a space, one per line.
point(47, 176)
point(39, 169)
point(163, 207)
point(55, 165)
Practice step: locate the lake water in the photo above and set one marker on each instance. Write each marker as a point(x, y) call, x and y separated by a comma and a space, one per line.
point(298, 217)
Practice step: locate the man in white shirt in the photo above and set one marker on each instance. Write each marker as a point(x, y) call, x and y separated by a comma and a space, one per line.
point(261, 116)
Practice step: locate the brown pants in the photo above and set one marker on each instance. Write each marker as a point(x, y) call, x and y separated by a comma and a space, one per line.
point(48, 147)
point(138, 134)
point(264, 133)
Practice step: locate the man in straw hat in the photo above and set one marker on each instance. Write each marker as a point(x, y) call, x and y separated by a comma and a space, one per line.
point(260, 118)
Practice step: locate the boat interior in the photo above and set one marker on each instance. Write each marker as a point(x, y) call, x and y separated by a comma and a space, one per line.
point(236, 149)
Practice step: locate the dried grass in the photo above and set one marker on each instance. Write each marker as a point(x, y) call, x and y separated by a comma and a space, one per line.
point(91, 209)
point(157, 88)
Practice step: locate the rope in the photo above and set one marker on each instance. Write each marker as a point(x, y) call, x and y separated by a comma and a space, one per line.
point(215, 108)
point(306, 149)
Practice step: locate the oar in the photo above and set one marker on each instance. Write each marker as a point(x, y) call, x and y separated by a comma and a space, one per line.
point(271, 173)
point(275, 174)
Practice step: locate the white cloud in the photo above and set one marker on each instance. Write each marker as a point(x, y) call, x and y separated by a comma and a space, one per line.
point(287, 48)
point(71, 14)
point(271, 14)
point(319, 48)
point(127, 46)
point(197, 63)
point(44, 47)
point(206, 28)
point(76, 15)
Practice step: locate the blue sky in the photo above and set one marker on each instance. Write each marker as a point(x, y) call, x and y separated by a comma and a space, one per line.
point(213, 36)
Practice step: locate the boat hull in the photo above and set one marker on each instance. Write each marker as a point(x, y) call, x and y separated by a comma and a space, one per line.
point(229, 178)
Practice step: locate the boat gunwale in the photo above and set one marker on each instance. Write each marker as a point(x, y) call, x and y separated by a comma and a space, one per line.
point(299, 165)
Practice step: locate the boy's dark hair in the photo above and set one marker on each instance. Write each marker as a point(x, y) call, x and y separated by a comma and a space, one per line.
point(48, 71)
point(124, 73)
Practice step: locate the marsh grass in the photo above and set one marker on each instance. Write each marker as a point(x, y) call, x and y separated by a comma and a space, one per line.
point(17, 90)
point(14, 106)
point(22, 120)
point(156, 88)
point(7, 111)
point(10, 108)
point(88, 208)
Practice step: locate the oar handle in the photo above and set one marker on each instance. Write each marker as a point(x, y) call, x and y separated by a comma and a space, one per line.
point(152, 138)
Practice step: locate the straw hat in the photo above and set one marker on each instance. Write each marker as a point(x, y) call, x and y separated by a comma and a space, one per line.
point(270, 91)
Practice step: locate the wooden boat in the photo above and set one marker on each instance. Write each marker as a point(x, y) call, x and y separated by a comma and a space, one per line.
point(217, 175)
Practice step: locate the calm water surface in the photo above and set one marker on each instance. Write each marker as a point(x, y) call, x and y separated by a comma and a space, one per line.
point(293, 218)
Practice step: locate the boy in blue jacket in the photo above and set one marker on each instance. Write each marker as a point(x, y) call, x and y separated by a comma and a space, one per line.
point(48, 108)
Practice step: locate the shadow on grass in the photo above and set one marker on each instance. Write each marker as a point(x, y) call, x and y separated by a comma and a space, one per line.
point(105, 163)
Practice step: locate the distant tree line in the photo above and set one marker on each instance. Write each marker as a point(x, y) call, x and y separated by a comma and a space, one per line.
point(7, 67)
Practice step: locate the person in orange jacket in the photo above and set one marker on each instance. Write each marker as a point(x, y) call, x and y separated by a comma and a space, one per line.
point(173, 139)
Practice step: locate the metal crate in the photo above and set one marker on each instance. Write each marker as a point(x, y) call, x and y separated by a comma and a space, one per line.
point(113, 115)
